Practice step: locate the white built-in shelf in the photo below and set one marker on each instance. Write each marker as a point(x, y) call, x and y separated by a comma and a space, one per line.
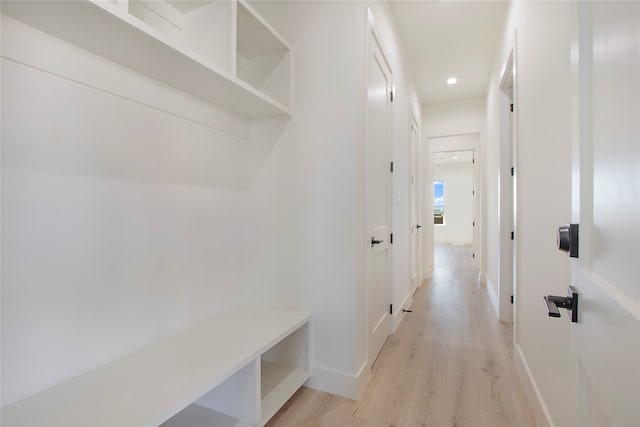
point(213, 370)
point(187, 45)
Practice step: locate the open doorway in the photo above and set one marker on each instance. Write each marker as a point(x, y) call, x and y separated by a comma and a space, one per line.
point(453, 197)
point(441, 151)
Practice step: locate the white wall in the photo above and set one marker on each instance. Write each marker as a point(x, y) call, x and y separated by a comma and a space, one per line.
point(543, 165)
point(306, 204)
point(458, 203)
point(131, 211)
point(122, 213)
point(306, 209)
point(454, 117)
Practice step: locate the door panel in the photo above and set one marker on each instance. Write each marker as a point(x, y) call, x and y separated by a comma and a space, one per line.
point(378, 205)
point(605, 342)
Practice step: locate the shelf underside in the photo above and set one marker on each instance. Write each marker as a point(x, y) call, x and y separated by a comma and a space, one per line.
point(196, 416)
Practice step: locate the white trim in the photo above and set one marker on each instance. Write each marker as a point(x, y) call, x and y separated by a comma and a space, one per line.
point(340, 383)
point(399, 314)
point(614, 293)
point(507, 196)
point(493, 295)
point(539, 409)
point(417, 193)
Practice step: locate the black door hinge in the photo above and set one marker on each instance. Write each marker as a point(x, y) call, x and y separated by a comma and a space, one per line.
point(391, 167)
point(473, 224)
point(473, 192)
point(512, 108)
point(473, 161)
point(390, 308)
point(473, 255)
point(512, 236)
point(512, 171)
point(511, 299)
point(391, 95)
point(391, 239)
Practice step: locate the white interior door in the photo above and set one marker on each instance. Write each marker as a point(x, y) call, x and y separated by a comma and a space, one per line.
point(606, 203)
point(378, 205)
point(415, 204)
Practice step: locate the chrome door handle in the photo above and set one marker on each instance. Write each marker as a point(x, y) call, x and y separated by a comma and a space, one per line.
point(375, 242)
point(570, 302)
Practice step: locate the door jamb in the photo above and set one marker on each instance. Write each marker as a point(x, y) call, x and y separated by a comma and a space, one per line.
point(507, 271)
point(416, 194)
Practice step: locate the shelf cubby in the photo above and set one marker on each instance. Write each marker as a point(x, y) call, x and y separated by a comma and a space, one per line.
point(263, 56)
point(284, 368)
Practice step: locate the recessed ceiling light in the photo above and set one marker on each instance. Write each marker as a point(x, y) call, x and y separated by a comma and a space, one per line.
point(455, 157)
point(452, 81)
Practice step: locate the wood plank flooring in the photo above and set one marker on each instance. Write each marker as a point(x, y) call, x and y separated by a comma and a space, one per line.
point(449, 364)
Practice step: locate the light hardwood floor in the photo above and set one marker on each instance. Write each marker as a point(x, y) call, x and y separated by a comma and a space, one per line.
point(449, 364)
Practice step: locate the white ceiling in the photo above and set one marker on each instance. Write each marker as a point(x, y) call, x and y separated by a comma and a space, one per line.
point(446, 38)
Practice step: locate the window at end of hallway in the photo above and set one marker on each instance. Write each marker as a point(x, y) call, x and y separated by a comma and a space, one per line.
point(438, 202)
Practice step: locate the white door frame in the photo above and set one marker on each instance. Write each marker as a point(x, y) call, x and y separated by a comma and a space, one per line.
point(507, 189)
point(373, 37)
point(414, 161)
point(507, 193)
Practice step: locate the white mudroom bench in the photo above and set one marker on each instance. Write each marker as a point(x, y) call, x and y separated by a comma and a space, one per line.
point(237, 369)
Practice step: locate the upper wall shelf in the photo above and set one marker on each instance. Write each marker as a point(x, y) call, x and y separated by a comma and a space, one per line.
point(188, 45)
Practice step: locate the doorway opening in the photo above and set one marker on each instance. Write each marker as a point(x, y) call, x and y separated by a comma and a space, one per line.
point(453, 198)
point(453, 215)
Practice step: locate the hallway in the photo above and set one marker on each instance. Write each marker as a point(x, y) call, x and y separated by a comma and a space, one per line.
point(449, 364)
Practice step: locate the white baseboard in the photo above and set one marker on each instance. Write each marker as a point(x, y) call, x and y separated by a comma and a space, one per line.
point(493, 296)
point(340, 383)
point(539, 409)
point(399, 315)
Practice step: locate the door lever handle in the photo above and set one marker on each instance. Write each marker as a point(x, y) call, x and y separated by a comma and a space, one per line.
point(375, 242)
point(570, 302)
point(418, 226)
